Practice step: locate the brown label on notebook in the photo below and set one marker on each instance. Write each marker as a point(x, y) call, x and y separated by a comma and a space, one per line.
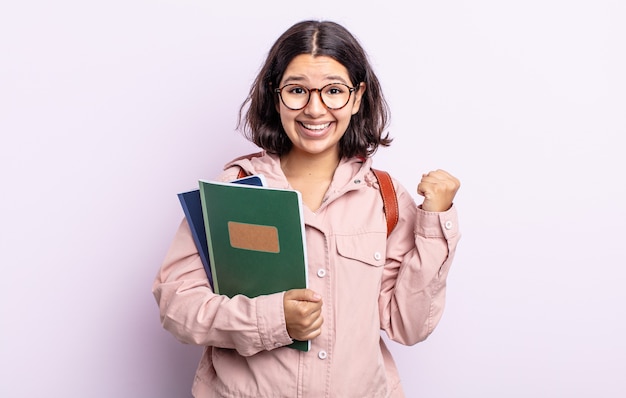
point(261, 238)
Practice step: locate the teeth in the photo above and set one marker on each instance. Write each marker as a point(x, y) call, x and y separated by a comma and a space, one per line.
point(316, 126)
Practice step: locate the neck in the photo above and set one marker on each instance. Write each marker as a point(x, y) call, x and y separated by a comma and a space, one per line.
point(304, 165)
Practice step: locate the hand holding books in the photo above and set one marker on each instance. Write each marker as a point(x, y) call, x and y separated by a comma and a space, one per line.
point(303, 314)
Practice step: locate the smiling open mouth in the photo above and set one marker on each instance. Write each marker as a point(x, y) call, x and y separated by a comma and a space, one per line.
point(316, 126)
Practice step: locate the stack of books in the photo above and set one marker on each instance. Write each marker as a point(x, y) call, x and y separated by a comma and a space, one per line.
point(250, 237)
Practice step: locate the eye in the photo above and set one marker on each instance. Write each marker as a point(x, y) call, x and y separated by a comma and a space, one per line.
point(296, 90)
point(335, 89)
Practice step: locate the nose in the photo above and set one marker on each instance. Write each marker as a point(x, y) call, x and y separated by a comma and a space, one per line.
point(315, 107)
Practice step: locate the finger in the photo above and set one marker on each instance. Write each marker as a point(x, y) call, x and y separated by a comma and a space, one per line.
point(303, 295)
point(439, 174)
point(314, 330)
point(306, 327)
point(439, 180)
point(300, 311)
point(310, 335)
point(427, 186)
point(421, 189)
point(444, 176)
point(312, 323)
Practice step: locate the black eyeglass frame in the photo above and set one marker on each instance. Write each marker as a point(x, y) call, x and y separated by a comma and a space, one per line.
point(319, 92)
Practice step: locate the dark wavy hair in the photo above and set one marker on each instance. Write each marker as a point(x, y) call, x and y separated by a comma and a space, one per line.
point(259, 120)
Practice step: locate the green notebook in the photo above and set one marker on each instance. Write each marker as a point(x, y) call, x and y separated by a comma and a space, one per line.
point(256, 240)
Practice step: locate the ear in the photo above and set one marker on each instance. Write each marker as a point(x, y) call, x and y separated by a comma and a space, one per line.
point(358, 95)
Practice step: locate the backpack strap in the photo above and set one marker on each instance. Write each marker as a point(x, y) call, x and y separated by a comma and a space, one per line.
point(387, 191)
point(390, 200)
point(241, 174)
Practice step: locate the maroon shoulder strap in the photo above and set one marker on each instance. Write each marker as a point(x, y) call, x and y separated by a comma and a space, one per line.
point(390, 200)
point(242, 173)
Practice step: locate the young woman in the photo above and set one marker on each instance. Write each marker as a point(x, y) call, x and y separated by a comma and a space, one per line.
point(317, 111)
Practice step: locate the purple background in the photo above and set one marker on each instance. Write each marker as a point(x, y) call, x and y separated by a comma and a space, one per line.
point(108, 109)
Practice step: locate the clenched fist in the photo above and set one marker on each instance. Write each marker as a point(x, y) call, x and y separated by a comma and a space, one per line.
point(438, 189)
point(303, 314)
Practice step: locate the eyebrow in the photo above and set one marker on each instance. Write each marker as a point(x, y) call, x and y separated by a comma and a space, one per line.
point(299, 79)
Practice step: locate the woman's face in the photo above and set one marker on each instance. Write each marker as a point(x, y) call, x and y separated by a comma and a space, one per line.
point(316, 129)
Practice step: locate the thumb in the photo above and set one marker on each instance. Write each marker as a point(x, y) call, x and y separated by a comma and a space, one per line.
point(303, 295)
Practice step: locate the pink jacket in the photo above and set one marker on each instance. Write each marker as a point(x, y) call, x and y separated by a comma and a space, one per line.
point(368, 282)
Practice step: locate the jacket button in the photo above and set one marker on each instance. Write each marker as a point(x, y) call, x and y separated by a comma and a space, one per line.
point(448, 225)
point(377, 256)
point(322, 354)
point(321, 272)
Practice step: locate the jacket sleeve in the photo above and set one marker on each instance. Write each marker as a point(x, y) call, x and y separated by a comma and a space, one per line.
point(420, 251)
point(195, 315)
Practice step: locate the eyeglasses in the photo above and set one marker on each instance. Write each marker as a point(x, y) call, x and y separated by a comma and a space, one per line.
point(334, 95)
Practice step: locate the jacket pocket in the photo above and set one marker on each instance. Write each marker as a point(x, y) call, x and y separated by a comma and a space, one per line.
point(368, 247)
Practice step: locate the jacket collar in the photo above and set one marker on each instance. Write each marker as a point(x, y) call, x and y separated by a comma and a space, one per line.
point(350, 174)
